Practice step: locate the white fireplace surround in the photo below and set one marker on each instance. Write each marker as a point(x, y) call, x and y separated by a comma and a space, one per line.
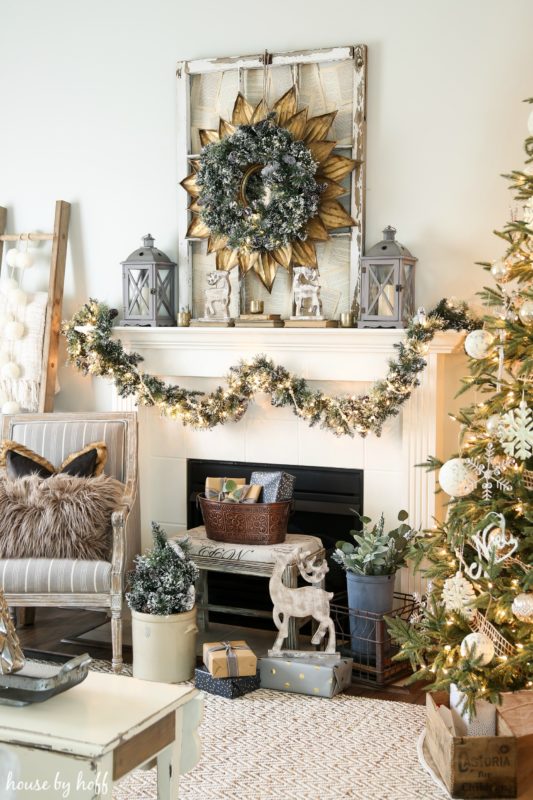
point(339, 361)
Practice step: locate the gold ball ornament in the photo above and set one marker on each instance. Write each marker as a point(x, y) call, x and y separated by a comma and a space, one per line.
point(478, 343)
point(457, 477)
point(522, 607)
point(478, 646)
point(500, 271)
point(525, 312)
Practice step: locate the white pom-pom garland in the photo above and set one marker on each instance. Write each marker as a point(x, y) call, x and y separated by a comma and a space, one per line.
point(4, 358)
point(24, 260)
point(7, 285)
point(17, 297)
point(11, 407)
point(478, 646)
point(11, 257)
point(11, 371)
point(14, 330)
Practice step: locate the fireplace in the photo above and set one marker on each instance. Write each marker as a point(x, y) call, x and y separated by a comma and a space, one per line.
point(324, 501)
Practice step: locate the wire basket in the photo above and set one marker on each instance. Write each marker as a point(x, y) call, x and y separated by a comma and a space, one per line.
point(363, 636)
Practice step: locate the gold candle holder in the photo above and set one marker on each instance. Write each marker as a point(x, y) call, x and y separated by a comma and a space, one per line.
point(346, 319)
point(183, 319)
point(257, 306)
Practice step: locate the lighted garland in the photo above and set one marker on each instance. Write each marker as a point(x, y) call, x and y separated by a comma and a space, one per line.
point(91, 349)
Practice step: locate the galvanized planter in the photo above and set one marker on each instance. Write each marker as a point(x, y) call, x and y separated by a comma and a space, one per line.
point(38, 682)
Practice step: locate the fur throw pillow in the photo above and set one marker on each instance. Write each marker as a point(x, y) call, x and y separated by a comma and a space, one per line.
point(58, 517)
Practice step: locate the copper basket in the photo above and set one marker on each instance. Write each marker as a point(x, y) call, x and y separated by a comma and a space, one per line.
point(245, 523)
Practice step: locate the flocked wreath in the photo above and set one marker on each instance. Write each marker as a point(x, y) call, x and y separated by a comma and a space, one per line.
point(92, 350)
point(258, 187)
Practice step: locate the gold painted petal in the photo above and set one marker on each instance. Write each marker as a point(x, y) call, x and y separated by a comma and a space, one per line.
point(225, 128)
point(242, 111)
point(321, 150)
point(194, 206)
point(337, 167)
point(197, 228)
point(227, 259)
point(195, 164)
point(216, 243)
point(316, 230)
point(247, 260)
point(190, 186)
point(260, 112)
point(265, 268)
point(318, 127)
point(286, 106)
point(207, 137)
point(283, 255)
point(296, 124)
point(332, 191)
point(334, 215)
point(304, 254)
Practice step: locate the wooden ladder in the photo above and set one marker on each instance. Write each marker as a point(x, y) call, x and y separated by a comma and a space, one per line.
point(52, 328)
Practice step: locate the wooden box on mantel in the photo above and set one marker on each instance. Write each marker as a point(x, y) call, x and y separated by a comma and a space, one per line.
point(470, 766)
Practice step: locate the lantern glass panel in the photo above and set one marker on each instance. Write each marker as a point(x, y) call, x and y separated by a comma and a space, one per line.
point(138, 292)
point(165, 291)
point(381, 290)
point(408, 307)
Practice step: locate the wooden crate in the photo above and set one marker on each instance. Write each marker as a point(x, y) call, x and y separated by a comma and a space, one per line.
point(470, 766)
point(515, 718)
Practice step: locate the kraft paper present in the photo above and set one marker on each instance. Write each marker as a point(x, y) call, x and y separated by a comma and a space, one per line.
point(277, 485)
point(225, 687)
point(323, 676)
point(229, 659)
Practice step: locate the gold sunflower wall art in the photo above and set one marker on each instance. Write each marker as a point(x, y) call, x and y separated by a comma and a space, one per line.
point(265, 188)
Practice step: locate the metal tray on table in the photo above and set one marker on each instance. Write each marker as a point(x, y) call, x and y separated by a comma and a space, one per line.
point(35, 682)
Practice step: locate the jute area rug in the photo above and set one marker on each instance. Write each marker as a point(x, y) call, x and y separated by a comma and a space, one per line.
point(274, 746)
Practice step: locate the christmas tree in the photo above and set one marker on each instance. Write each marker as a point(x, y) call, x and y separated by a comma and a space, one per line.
point(474, 627)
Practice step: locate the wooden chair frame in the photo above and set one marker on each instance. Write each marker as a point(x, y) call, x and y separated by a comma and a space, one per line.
point(119, 520)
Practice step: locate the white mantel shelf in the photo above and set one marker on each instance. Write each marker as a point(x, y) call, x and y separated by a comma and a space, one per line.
point(342, 354)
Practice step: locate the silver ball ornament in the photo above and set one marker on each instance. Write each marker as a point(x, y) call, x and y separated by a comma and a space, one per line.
point(11, 407)
point(11, 257)
point(493, 423)
point(478, 646)
point(500, 271)
point(525, 312)
point(457, 478)
point(478, 343)
point(522, 607)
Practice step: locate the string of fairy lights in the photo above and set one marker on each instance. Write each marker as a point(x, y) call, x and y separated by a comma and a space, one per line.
point(92, 350)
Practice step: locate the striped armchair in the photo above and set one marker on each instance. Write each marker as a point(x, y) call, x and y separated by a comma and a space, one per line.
point(34, 582)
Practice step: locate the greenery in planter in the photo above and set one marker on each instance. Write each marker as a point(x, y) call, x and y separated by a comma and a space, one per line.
point(163, 579)
point(376, 552)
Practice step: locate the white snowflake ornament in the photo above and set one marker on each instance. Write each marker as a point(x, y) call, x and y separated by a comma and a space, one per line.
point(516, 431)
point(458, 594)
point(491, 473)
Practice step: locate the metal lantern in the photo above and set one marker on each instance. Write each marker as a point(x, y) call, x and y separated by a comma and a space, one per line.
point(387, 284)
point(149, 287)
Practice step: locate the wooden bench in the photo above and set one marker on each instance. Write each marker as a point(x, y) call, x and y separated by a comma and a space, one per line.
point(244, 559)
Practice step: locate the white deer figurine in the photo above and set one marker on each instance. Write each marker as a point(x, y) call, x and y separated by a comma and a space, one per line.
point(306, 601)
point(218, 290)
point(306, 292)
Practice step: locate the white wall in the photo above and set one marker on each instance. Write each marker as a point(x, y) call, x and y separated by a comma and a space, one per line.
point(88, 115)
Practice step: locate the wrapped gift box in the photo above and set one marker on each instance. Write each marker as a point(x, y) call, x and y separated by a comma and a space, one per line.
point(321, 676)
point(229, 659)
point(213, 486)
point(225, 687)
point(277, 486)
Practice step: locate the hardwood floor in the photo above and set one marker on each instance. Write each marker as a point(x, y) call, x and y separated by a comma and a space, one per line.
point(43, 639)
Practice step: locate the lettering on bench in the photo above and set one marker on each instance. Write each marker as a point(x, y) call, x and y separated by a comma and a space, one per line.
point(208, 551)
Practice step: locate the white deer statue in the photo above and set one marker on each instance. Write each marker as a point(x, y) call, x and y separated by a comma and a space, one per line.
point(306, 293)
point(306, 601)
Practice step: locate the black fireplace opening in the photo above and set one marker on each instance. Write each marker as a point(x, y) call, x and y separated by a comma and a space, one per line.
point(325, 499)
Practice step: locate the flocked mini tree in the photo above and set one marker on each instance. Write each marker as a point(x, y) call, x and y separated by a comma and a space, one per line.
point(474, 628)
